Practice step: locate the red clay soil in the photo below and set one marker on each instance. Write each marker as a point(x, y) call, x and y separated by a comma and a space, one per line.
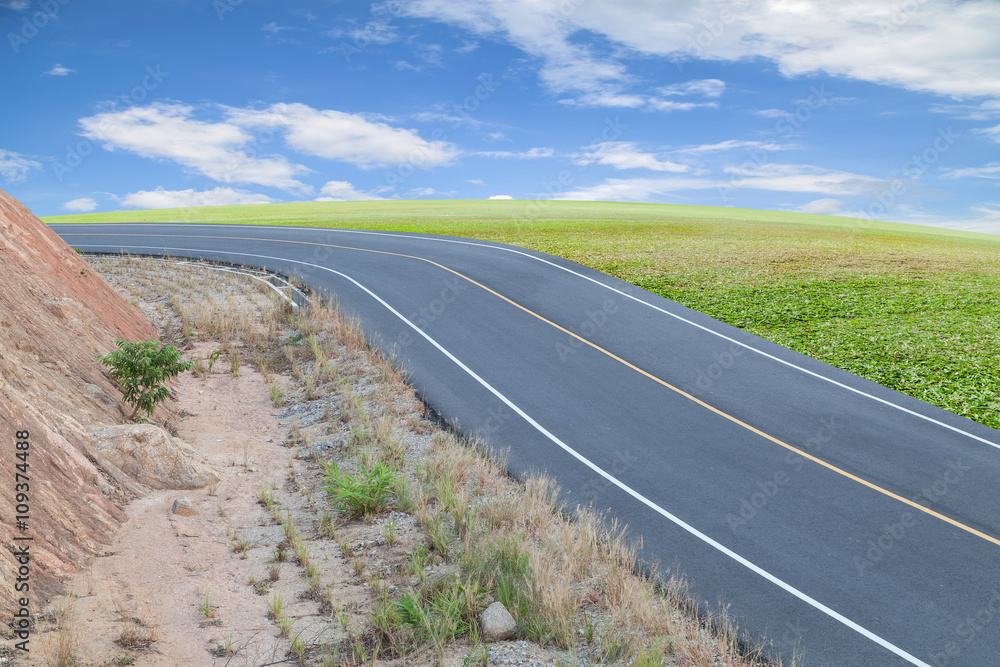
point(56, 317)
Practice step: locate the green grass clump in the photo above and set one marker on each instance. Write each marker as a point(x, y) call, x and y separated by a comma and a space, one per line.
point(363, 494)
point(442, 615)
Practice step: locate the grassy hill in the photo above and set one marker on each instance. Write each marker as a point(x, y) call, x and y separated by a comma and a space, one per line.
point(914, 308)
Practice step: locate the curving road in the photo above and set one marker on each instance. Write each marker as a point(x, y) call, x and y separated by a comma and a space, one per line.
point(846, 523)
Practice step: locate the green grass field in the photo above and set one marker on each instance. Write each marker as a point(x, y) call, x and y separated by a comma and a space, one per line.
point(914, 308)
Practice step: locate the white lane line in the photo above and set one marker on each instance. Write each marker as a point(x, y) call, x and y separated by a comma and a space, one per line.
point(594, 467)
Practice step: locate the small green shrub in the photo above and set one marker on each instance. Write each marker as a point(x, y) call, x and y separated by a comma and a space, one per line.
point(363, 494)
point(442, 615)
point(140, 369)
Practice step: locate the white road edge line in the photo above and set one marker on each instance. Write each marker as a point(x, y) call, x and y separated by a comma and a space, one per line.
point(585, 461)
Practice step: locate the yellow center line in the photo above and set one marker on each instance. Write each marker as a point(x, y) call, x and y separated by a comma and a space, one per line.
point(690, 397)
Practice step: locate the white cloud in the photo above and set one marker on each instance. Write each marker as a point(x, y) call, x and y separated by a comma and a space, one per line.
point(456, 117)
point(986, 219)
point(59, 70)
point(939, 46)
point(636, 189)
point(772, 113)
point(14, 166)
point(229, 151)
point(625, 155)
point(501, 197)
point(670, 105)
point(733, 144)
point(990, 171)
point(16, 5)
point(477, 181)
point(344, 191)
point(273, 28)
point(703, 87)
point(773, 177)
point(160, 198)
point(429, 192)
point(825, 206)
point(532, 154)
point(802, 178)
point(992, 132)
point(82, 205)
point(374, 32)
point(428, 55)
point(344, 137)
point(218, 150)
point(986, 110)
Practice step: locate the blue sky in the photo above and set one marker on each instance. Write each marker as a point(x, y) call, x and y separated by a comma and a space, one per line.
point(882, 109)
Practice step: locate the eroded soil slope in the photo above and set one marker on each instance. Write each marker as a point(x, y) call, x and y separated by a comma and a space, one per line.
point(56, 317)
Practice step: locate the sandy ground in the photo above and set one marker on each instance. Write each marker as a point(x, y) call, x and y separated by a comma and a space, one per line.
point(156, 574)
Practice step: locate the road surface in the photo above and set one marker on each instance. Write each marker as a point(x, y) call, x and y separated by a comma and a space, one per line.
point(840, 521)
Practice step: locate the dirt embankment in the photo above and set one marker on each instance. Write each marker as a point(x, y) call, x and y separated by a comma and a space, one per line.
point(56, 317)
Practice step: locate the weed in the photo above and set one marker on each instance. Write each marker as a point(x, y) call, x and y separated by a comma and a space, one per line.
point(479, 655)
point(615, 646)
point(288, 526)
point(448, 614)
point(327, 526)
point(298, 647)
point(438, 532)
point(389, 532)
point(589, 626)
point(277, 395)
point(205, 608)
point(62, 644)
point(285, 623)
point(240, 544)
point(234, 362)
point(212, 358)
point(276, 605)
point(265, 367)
point(361, 495)
point(315, 587)
point(265, 496)
point(301, 551)
point(137, 635)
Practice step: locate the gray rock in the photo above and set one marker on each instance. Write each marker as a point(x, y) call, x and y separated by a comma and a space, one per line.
point(152, 456)
point(183, 507)
point(497, 623)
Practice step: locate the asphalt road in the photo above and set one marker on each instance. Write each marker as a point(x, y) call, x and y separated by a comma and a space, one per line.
point(844, 522)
